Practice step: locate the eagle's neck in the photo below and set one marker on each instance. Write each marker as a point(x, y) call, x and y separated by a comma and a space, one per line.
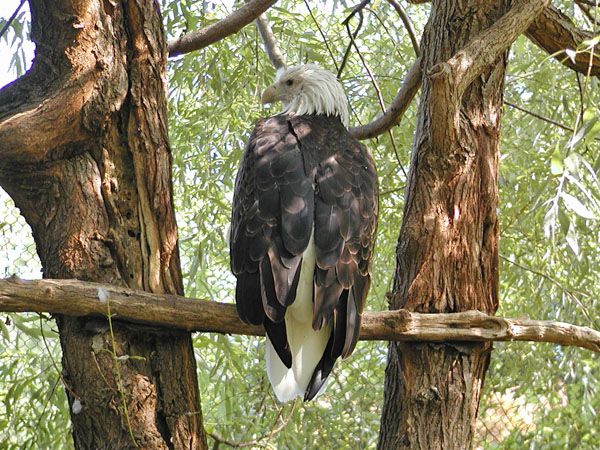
point(323, 96)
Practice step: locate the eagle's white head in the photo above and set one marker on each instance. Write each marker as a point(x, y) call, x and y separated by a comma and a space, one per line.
point(308, 89)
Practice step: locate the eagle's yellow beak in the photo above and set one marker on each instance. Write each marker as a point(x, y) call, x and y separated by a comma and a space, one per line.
point(269, 95)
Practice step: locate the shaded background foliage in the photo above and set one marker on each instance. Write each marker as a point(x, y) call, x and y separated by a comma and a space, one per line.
point(536, 395)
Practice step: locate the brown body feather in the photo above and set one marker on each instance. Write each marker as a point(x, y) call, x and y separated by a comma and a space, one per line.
point(300, 172)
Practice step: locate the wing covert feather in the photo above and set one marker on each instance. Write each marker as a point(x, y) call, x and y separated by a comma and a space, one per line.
point(346, 208)
point(271, 224)
point(300, 172)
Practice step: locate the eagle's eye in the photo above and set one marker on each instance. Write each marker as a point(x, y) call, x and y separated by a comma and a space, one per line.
point(289, 82)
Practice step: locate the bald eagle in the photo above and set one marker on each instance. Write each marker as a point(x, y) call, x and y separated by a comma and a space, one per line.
point(303, 229)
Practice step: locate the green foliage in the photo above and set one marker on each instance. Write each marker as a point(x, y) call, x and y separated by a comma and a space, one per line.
point(536, 395)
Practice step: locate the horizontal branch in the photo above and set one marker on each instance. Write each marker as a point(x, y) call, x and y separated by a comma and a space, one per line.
point(79, 298)
point(555, 32)
point(231, 24)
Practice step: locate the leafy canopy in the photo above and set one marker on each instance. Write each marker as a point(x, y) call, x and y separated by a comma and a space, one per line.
point(536, 395)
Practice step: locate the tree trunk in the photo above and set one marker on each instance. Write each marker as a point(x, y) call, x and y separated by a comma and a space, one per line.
point(447, 254)
point(84, 154)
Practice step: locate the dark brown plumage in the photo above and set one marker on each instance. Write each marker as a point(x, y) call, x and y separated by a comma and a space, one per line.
point(300, 172)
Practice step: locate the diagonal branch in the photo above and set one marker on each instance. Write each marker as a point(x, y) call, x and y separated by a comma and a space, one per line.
point(398, 106)
point(451, 78)
point(231, 24)
point(270, 41)
point(407, 24)
point(60, 103)
point(555, 32)
point(323, 36)
point(544, 118)
point(79, 298)
point(10, 20)
point(470, 62)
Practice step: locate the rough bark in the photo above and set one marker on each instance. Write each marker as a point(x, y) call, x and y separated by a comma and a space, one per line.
point(555, 32)
point(231, 24)
point(447, 254)
point(80, 298)
point(85, 156)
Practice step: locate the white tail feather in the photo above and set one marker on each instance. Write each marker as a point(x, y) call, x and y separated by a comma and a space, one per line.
point(306, 345)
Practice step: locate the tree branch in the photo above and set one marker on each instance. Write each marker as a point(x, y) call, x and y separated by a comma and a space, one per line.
point(585, 8)
point(316, 22)
point(470, 62)
point(398, 106)
point(34, 128)
point(451, 78)
point(543, 118)
point(10, 20)
point(79, 298)
point(231, 24)
point(62, 100)
point(271, 46)
point(555, 32)
point(407, 24)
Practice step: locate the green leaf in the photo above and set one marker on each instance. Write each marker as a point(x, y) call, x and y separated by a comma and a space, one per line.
point(556, 164)
point(589, 43)
point(564, 220)
point(576, 206)
point(4, 331)
point(550, 221)
point(571, 239)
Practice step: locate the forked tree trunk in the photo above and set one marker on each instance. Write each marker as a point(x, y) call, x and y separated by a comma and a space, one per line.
point(447, 256)
point(84, 153)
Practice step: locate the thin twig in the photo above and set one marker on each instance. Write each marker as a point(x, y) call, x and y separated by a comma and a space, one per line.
point(357, 9)
point(579, 120)
point(322, 35)
point(407, 24)
point(117, 368)
point(543, 118)
point(387, 30)
point(41, 416)
point(539, 116)
point(555, 282)
point(58, 371)
point(11, 19)
point(265, 436)
point(377, 90)
point(392, 191)
point(367, 68)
